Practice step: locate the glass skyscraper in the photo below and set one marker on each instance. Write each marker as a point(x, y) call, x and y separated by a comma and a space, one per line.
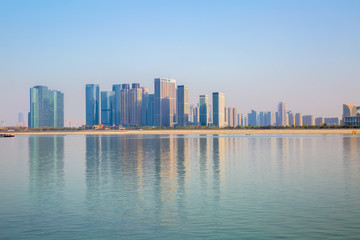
point(165, 101)
point(46, 108)
point(204, 110)
point(107, 108)
point(183, 107)
point(92, 104)
point(218, 109)
point(117, 104)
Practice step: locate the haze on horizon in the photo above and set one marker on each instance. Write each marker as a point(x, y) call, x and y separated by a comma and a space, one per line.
point(257, 53)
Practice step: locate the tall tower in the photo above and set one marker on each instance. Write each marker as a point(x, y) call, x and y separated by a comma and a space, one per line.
point(282, 114)
point(165, 102)
point(117, 104)
point(218, 109)
point(125, 104)
point(92, 104)
point(182, 106)
point(107, 108)
point(135, 104)
point(204, 110)
point(46, 107)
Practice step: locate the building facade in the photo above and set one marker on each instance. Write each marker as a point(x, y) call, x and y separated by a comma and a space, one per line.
point(107, 108)
point(218, 109)
point(204, 110)
point(165, 102)
point(92, 104)
point(282, 114)
point(46, 108)
point(182, 106)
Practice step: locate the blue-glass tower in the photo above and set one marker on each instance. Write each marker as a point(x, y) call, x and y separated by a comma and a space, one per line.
point(46, 107)
point(107, 108)
point(92, 104)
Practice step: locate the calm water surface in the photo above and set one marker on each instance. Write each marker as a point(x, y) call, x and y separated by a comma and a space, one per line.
point(176, 187)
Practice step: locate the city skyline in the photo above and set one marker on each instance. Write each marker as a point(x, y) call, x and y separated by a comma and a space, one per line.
point(256, 53)
point(168, 106)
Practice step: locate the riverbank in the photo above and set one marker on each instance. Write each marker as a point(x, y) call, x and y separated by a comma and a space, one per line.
point(192, 132)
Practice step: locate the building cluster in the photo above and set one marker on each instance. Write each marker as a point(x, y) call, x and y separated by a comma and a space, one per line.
point(168, 106)
point(284, 118)
point(46, 108)
point(132, 105)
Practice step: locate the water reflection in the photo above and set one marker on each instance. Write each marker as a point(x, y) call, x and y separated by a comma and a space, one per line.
point(351, 157)
point(46, 155)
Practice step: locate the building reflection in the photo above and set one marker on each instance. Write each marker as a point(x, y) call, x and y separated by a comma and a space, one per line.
point(46, 156)
point(219, 144)
point(351, 158)
point(153, 175)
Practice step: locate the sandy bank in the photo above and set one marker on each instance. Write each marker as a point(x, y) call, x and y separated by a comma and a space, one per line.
point(194, 132)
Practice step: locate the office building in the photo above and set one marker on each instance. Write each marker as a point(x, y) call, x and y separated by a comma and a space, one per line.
point(230, 117)
point(165, 102)
point(92, 104)
point(136, 94)
point(125, 104)
point(349, 110)
point(282, 114)
point(319, 121)
point(235, 117)
point(334, 121)
point(218, 109)
point(182, 106)
point(298, 120)
point(117, 104)
point(107, 108)
point(196, 115)
point(204, 110)
point(308, 120)
point(291, 119)
point(269, 118)
point(46, 108)
point(350, 115)
point(253, 118)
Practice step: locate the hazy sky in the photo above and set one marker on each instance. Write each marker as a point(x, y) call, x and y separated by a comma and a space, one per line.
point(257, 53)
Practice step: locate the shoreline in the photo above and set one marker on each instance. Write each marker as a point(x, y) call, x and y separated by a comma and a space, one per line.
point(194, 132)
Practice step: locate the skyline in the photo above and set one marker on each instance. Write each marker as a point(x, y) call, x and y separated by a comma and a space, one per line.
point(257, 54)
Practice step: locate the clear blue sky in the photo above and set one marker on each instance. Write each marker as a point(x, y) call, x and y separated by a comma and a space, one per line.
point(257, 53)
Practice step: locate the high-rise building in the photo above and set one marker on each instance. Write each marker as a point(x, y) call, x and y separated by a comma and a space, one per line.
point(117, 104)
point(319, 121)
point(308, 120)
point(298, 120)
point(204, 110)
point(196, 115)
point(334, 121)
point(165, 101)
point(147, 113)
point(269, 118)
point(291, 119)
point(218, 109)
point(282, 114)
point(107, 108)
point(253, 118)
point(230, 117)
point(125, 104)
point(46, 107)
point(235, 117)
point(135, 104)
point(182, 106)
point(92, 104)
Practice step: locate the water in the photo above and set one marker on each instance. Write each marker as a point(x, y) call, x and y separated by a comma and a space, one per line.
point(176, 187)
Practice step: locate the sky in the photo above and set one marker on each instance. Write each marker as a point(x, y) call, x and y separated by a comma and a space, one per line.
point(258, 53)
